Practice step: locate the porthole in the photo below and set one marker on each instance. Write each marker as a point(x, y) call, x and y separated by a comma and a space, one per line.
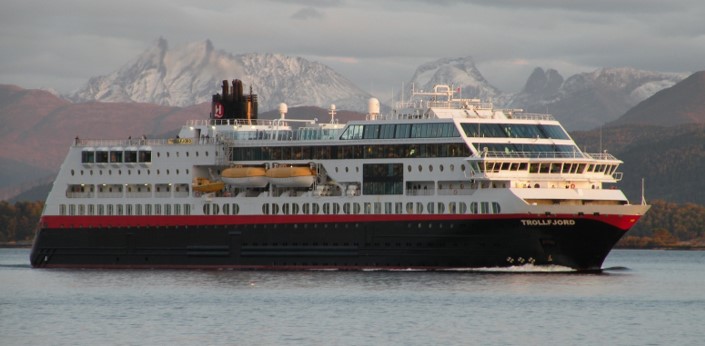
point(167, 172)
point(357, 169)
point(157, 171)
point(462, 167)
point(187, 154)
point(430, 168)
point(72, 172)
point(206, 153)
point(408, 168)
point(346, 169)
point(177, 172)
point(336, 169)
point(158, 154)
point(420, 168)
point(177, 154)
point(167, 154)
point(441, 168)
point(197, 154)
point(452, 168)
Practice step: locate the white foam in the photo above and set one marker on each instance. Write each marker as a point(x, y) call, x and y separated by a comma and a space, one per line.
point(528, 268)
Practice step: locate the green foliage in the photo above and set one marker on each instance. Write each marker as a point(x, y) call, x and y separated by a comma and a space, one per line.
point(670, 159)
point(18, 221)
point(668, 224)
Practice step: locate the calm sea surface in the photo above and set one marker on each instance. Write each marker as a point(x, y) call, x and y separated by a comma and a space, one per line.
point(643, 298)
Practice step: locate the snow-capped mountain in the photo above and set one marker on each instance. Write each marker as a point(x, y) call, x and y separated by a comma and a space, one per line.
point(587, 100)
point(457, 72)
point(191, 74)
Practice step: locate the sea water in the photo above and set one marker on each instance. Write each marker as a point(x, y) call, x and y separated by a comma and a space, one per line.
point(641, 298)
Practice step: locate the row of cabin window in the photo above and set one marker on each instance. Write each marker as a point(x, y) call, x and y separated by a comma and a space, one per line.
point(124, 209)
point(552, 167)
point(129, 172)
point(130, 190)
point(332, 208)
point(514, 131)
point(400, 131)
point(117, 156)
point(344, 152)
point(303, 133)
point(529, 150)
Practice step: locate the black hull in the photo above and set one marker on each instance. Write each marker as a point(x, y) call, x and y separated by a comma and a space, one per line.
point(581, 244)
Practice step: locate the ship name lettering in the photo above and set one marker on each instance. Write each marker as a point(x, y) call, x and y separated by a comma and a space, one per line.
point(552, 222)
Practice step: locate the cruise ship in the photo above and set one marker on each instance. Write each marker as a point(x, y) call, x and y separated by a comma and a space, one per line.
point(439, 182)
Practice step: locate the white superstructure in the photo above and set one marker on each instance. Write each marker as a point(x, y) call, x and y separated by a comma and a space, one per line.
point(433, 154)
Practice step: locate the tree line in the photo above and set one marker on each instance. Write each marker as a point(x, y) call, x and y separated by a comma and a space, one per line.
point(18, 221)
point(666, 225)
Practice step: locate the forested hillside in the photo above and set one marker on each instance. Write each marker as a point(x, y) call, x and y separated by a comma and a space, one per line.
point(671, 160)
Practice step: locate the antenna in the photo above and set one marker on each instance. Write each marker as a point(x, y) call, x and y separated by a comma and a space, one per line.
point(643, 199)
point(401, 94)
point(601, 126)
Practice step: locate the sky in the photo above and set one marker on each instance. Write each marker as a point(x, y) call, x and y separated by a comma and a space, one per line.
point(60, 44)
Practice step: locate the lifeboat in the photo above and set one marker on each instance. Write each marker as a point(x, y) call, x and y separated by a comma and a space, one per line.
point(291, 176)
point(206, 186)
point(252, 176)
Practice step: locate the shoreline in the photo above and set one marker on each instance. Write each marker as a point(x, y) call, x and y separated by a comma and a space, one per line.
point(16, 245)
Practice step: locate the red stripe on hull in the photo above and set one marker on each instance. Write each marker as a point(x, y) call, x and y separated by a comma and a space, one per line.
point(623, 222)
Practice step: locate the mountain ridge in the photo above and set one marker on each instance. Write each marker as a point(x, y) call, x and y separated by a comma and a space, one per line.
point(588, 100)
point(190, 74)
point(683, 103)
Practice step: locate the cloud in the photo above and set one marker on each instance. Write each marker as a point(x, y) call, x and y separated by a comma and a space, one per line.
point(594, 6)
point(62, 44)
point(342, 59)
point(307, 13)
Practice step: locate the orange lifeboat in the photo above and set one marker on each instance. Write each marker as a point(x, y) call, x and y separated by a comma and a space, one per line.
point(291, 176)
point(206, 186)
point(247, 176)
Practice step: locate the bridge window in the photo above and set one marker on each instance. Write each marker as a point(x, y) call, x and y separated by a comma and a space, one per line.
point(87, 156)
point(497, 130)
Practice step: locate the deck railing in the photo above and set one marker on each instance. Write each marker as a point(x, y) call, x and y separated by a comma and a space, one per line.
point(547, 155)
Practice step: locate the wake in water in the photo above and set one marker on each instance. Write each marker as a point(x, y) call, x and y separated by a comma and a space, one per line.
point(528, 268)
point(19, 265)
point(616, 269)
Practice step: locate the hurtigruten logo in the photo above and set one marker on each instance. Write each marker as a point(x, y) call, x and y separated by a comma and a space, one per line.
point(554, 222)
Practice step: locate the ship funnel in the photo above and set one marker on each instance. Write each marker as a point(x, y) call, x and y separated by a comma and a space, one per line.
point(232, 103)
point(237, 90)
point(225, 89)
